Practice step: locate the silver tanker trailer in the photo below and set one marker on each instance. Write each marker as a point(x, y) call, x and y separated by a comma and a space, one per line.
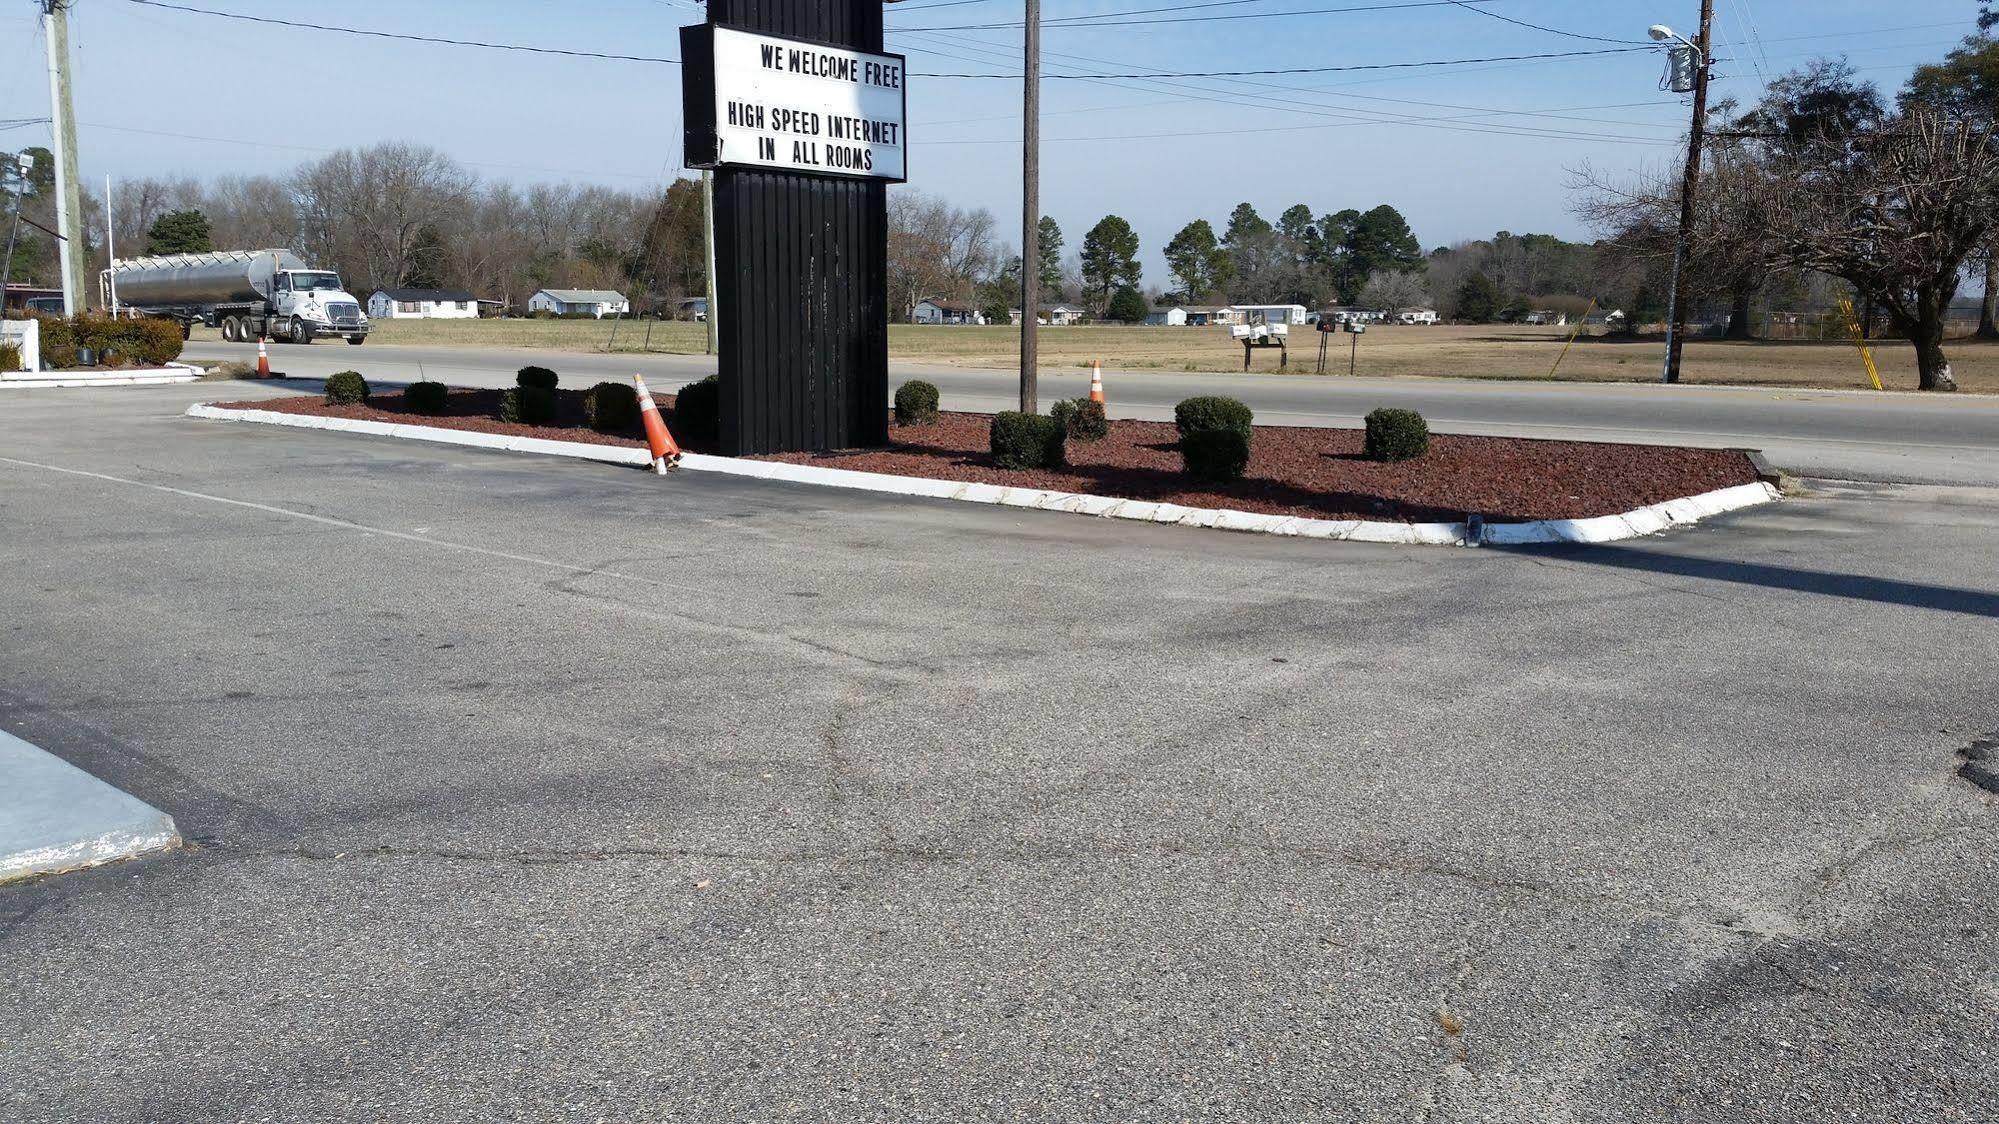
point(246, 293)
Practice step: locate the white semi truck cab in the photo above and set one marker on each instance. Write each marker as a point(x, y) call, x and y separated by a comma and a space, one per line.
point(248, 294)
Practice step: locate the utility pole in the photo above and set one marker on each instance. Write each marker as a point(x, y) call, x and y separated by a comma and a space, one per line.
point(110, 254)
point(1030, 209)
point(1676, 314)
point(708, 241)
point(62, 123)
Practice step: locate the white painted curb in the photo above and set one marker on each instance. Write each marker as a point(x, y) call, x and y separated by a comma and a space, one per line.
point(138, 376)
point(1607, 528)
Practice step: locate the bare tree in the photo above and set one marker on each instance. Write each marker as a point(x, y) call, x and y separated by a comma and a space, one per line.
point(1897, 210)
point(936, 250)
point(1390, 289)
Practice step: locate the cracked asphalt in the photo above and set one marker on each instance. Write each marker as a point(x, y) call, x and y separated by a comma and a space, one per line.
point(521, 789)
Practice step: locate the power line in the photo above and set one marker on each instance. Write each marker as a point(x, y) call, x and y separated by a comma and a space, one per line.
point(407, 38)
point(300, 24)
point(1308, 69)
point(1535, 26)
point(1238, 99)
point(1118, 19)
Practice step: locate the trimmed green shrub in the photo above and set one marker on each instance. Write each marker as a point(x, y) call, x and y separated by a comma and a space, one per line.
point(426, 397)
point(915, 403)
point(528, 405)
point(612, 407)
point(1212, 411)
point(1396, 435)
point(536, 376)
point(141, 342)
point(697, 410)
point(347, 388)
point(1028, 441)
point(1215, 456)
point(1081, 419)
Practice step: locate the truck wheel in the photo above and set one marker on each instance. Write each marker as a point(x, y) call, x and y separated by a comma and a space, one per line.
point(186, 329)
point(356, 341)
point(231, 333)
point(300, 333)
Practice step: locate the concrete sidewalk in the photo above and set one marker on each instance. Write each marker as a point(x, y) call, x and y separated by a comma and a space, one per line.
point(56, 817)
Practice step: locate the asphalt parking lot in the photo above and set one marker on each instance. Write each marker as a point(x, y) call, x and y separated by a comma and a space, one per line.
point(528, 789)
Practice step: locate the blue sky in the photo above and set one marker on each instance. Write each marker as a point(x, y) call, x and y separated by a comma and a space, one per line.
point(1463, 151)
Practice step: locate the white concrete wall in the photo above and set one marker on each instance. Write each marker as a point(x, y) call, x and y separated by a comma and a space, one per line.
point(26, 335)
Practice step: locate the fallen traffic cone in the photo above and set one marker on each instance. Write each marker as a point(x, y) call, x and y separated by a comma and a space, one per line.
point(263, 360)
point(1097, 382)
point(665, 454)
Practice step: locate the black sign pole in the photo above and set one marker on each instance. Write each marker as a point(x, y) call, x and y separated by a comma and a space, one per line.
point(801, 302)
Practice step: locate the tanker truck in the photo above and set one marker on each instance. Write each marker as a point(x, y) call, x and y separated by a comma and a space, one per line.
point(246, 293)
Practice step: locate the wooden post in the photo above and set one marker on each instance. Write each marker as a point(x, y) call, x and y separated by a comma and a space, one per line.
point(69, 207)
point(1676, 328)
point(708, 240)
point(1030, 210)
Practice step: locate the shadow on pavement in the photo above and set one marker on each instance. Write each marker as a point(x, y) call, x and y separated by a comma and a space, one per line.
point(1857, 587)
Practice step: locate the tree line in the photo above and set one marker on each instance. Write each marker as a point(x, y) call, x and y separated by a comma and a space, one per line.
point(397, 215)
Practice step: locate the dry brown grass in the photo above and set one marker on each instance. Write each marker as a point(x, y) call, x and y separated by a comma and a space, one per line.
point(1449, 351)
point(1452, 351)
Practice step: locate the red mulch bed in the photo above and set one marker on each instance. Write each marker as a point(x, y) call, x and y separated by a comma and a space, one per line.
point(474, 410)
point(1316, 473)
point(1320, 473)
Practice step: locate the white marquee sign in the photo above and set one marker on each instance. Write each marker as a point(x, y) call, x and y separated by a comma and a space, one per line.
point(763, 101)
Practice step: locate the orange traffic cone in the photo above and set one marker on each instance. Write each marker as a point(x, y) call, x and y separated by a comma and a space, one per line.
point(1097, 382)
point(263, 360)
point(665, 454)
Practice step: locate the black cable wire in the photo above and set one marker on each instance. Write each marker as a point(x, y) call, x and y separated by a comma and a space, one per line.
point(1537, 27)
point(1116, 19)
point(407, 38)
point(1304, 69)
point(916, 74)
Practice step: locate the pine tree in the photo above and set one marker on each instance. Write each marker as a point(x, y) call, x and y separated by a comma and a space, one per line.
point(180, 232)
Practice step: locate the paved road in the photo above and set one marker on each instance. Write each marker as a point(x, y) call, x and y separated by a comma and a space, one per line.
point(1841, 434)
point(524, 789)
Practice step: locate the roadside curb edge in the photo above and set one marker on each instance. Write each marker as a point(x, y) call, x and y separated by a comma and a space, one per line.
point(1601, 529)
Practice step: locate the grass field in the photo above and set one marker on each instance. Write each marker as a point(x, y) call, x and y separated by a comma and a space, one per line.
point(1447, 351)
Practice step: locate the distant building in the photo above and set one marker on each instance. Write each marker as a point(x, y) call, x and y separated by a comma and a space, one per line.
point(1061, 315)
point(33, 297)
point(1415, 316)
point(592, 302)
point(1175, 317)
point(1268, 313)
point(1547, 316)
point(423, 304)
point(946, 312)
point(1350, 314)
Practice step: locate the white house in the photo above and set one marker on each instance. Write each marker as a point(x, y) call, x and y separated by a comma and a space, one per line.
point(595, 302)
point(1349, 314)
point(1271, 313)
point(1061, 315)
point(1547, 316)
point(933, 311)
point(1415, 316)
point(422, 304)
